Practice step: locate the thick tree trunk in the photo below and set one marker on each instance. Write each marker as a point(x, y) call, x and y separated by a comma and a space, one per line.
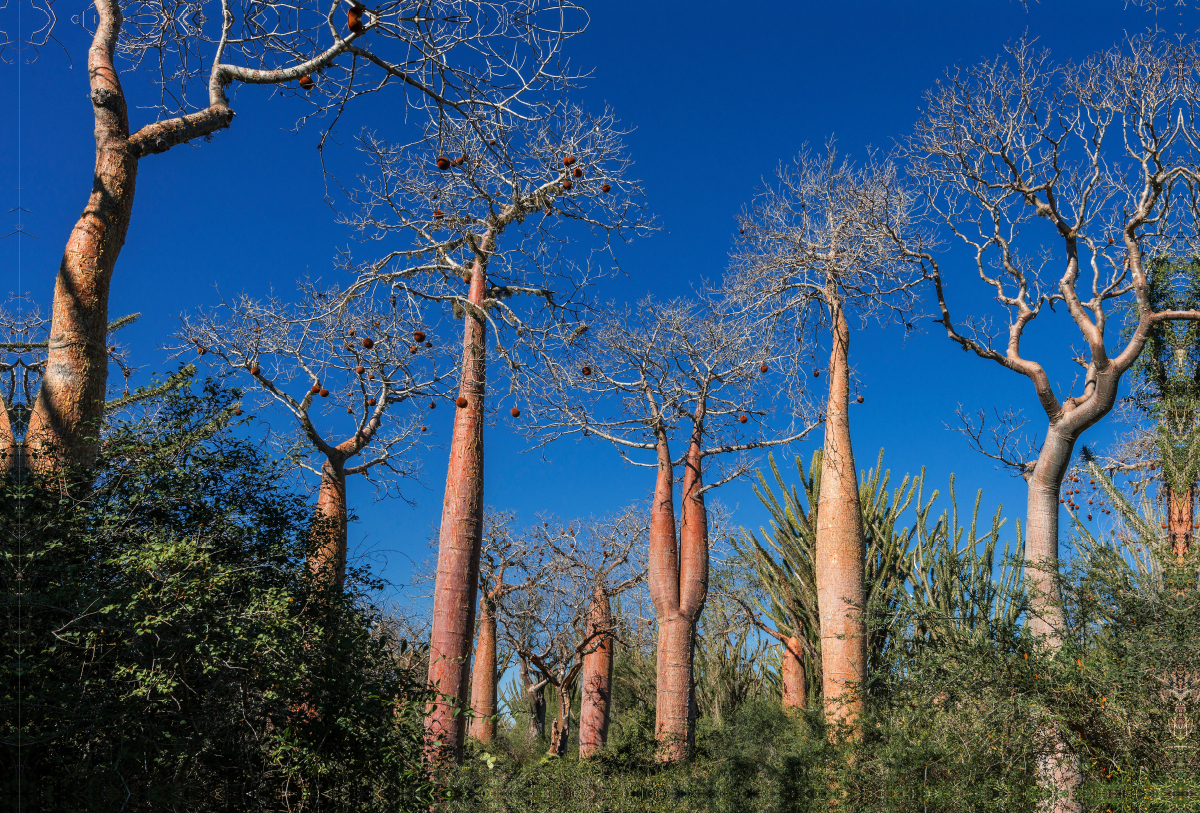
point(1180, 520)
point(595, 707)
point(560, 732)
point(1041, 536)
point(677, 624)
point(483, 675)
point(10, 449)
point(327, 562)
point(459, 541)
point(840, 547)
point(65, 425)
point(795, 686)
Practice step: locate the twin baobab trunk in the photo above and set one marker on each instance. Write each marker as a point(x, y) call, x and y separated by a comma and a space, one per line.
point(596, 705)
point(678, 586)
point(327, 562)
point(795, 687)
point(459, 541)
point(483, 675)
point(840, 548)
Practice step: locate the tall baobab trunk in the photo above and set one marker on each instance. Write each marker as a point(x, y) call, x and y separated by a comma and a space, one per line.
point(1180, 519)
point(327, 563)
point(483, 675)
point(595, 707)
point(678, 586)
point(1041, 535)
point(795, 687)
point(840, 546)
point(460, 539)
point(65, 425)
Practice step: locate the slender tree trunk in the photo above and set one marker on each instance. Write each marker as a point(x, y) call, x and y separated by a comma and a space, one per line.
point(483, 675)
point(535, 696)
point(795, 682)
point(595, 707)
point(459, 542)
point(327, 563)
point(840, 547)
point(1041, 536)
point(65, 425)
point(560, 734)
point(1180, 519)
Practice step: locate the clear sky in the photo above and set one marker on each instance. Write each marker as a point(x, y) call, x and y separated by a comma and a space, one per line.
point(718, 94)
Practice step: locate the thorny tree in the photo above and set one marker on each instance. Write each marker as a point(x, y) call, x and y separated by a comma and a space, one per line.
point(656, 374)
point(475, 219)
point(822, 245)
point(451, 60)
point(353, 380)
point(569, 628)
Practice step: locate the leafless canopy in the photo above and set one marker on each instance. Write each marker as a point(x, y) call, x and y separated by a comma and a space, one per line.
point(666, 366)
point(310, 360)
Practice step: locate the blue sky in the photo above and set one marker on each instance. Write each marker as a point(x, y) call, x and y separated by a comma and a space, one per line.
point(718, 94)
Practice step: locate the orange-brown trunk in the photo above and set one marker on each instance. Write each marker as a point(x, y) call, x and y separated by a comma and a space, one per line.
point(327, 562)
point(483, 676)
point(64, 427)
point(1180, 520)
point(840, 547)
point(795, 686)
point(595, 706)
point(459, 543)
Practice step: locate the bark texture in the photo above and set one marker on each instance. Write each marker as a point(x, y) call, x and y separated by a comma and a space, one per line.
point(327, 563)
point(483, 675)
point(840, 547)
point(678, 587)
point(795, 688)
point(535, 696)
point(560, 730)
point(459, 542)
point(595, 706)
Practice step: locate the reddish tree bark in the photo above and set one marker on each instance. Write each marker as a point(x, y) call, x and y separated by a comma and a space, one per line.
point(679, 584)
point(840, 546)
point(596, 703)
point(327, 563)
point(1180, 519)
point(795, 687)
point(460, 538)
point(483, 675)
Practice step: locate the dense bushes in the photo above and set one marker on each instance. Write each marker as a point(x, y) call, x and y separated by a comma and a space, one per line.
point(163, 650)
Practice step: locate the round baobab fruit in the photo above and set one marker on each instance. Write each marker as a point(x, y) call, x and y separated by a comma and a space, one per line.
point(237, 410)
point(372, 401)
point(354, 19)
point(367, 342)
point(443, 163)
point(567, 161)
point(350, 332)
point(307, 82)
point(860, 399)
point(491, 142)
point(516, 413)
point(460, 160)
point(1111, 241)
point(816, 373)
point(413, 350)
point(438, 214)
point(433, 404)
point(605, 188)
point(586, 371)
point(568, 184)
point(349, 411)
point(316, 388)
point(578, 172)
point(763, 368)
point(462, 402)
point(429, 344)
point(547, 212)
point(424, 428)
point(254, 370)
point(742, 419)
point(419, 336)
point(741, 231)
point(324, 393)
point(201, 350)
point(360, 369)
point(370, 376)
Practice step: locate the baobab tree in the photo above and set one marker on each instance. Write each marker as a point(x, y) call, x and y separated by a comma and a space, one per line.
point(488, 205)
point(571, 622)
point(354, 379)
point(641, 379)
point(450, 60)
point(1063, 182)
point(822, 245)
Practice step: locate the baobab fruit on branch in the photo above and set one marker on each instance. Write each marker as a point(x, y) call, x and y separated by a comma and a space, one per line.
point(568, 184)
point(368, 342)
point(578, 172)
point(763, 369)
point(316, 388)
point(433, 404)
point(419, 336)
point(307, 82)
point(516, 413)
point(742, 419)
point(605, 188)
point(371, 401)
point(568, 160)
point(860, 399)
point(354, 19)
point(462, 402)
point(254, 370)
point(443, 163)
point(360, 369)
point(324, 393)
point(586, 371)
